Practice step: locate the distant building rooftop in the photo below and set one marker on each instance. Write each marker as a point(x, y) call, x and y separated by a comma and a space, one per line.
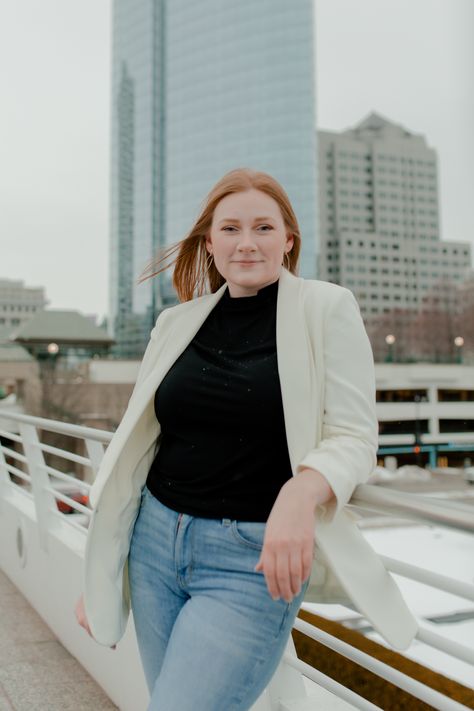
point(13, 352)
point(61, 326)
point(10, 351)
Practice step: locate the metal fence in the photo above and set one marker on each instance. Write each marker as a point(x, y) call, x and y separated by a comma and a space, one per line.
point(57, 494)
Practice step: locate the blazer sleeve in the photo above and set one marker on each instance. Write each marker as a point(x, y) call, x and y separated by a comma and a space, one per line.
point(347, 452)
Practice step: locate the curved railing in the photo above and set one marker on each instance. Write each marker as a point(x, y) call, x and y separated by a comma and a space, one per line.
point(40, 472)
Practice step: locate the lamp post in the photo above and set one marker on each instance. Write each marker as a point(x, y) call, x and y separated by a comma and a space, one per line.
point(48, 366)
point(417, 448)
point(389, 340)
point(459, 342)
point(417, 429)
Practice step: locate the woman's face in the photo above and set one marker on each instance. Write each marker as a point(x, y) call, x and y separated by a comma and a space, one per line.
point(248, 240)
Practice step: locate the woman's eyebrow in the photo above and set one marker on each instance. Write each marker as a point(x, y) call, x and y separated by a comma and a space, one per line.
point(234, 219)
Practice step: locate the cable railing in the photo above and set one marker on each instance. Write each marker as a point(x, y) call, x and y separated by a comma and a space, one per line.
point(41, 471)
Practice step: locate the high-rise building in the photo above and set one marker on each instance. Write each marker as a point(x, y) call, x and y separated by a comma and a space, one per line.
point(19, 303)
point(379, 218)
point(200, 88)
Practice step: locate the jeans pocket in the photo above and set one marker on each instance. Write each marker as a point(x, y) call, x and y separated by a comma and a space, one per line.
point(249, 533)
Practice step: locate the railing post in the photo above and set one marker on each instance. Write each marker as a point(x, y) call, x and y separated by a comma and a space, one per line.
point(4, 477)
point(39, 481)
point(287, 683)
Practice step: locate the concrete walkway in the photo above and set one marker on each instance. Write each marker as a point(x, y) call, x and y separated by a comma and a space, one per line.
point(36, 672)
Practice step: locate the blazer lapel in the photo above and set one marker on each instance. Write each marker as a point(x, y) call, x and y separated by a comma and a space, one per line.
point(294, 368)
point(187, 324)
point(139, 427)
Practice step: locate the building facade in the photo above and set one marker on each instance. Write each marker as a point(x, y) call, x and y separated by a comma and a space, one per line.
point(19, 303)
point(425, 413)
point(379, 220)
point(200, 89)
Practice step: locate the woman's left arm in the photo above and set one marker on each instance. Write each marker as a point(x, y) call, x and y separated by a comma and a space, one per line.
point(345, 456)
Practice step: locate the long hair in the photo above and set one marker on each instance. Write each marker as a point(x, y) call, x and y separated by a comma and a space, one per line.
point(193, 267)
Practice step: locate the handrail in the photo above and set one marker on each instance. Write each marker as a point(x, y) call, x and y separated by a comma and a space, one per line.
point(429, 577)
point(328, 683)
point(58, 427)
point(366, 496)
point(67, 500)
point(62, 453)
point(369, 497)
point(14, 455)
point(17, 472)
point(403, 681)
point(10, 435)
point(413, 506)
point(83, 485)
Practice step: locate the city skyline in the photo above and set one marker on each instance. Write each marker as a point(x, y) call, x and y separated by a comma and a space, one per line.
point(55, 177)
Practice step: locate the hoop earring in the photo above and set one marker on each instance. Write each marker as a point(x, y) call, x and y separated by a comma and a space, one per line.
point(286, 258)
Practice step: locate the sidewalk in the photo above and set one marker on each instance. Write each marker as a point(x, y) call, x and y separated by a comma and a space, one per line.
point(36, 672)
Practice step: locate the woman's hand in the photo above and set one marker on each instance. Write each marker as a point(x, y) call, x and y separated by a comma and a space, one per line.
point(287, 554)
point(82, 619)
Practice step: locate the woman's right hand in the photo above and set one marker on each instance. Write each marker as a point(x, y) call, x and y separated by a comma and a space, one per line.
point(81, 617)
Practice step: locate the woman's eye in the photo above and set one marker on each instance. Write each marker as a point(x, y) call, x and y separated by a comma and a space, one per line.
point(229, 227)
point(232, 229)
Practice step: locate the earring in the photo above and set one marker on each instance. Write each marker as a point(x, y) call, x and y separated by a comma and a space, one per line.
point(286, 258)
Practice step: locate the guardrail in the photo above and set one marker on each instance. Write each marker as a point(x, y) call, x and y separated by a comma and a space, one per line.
point(39, 481)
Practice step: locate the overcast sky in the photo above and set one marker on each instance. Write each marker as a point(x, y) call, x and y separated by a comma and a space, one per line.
point(410, 60)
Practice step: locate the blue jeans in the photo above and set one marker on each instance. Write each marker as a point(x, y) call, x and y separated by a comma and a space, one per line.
point(209, 633)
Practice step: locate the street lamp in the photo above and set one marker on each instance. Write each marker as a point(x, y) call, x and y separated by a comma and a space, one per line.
point(459, 342)
point(48, 367)
point(389, 340)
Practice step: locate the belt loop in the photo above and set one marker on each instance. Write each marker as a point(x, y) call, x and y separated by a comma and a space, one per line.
point(226, 521)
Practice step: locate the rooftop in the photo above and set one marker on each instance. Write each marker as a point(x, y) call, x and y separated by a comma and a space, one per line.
point(10, 351)
point(63, 326)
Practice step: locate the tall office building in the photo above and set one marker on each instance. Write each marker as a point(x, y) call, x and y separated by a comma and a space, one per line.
point(200, 88)
point(379, 218)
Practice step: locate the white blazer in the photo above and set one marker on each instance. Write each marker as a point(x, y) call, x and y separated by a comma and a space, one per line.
point(327, 379)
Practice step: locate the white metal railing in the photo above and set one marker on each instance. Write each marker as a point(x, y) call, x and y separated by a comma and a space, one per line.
point(38, 483)
point(36, 474)
point(416, 507)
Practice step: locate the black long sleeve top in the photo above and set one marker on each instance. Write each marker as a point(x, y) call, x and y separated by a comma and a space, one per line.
point(223, 450)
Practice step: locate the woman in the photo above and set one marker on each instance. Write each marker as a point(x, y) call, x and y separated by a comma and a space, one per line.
point(222, 491)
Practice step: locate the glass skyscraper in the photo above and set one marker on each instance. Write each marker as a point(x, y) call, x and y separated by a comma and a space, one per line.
point(200, 88)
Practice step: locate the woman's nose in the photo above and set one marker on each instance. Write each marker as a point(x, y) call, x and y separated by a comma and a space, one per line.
point(246, 239)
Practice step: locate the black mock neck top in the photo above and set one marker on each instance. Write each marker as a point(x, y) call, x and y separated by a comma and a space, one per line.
point(223, 451)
